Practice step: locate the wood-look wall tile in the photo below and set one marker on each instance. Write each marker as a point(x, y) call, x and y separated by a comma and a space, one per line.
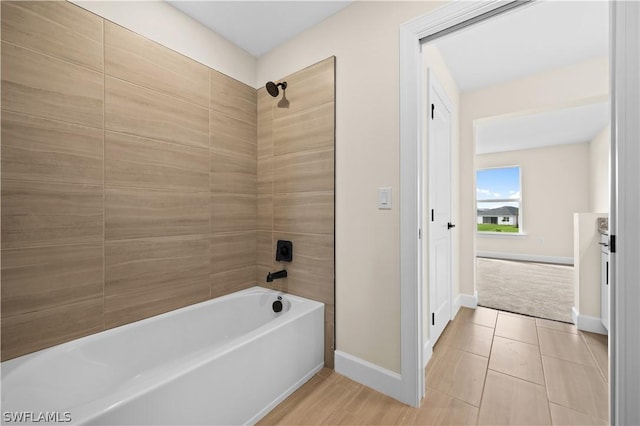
point(232, 250)
point(146, 163)
point(261, 276)
point(137, 59)
point(265, 176)
point(311, 129)
point(232, 281)
point(308, 88)
point(265, 249)
point(150, 263)
point(231, 136)
point(41, 85)
point(233, 212)
point(306, 171)
point(233, 98)
point(135, 110)
point(265, 213)
point(54, 151)
point(43, 213)
point(232, 174)
point(303, 212)
point(329, 344)
point(312, 253)
point(311, 286)
point(330, 313)
point(265, 123)
point(56, 28)
point(25, 333)
point(129, 307)
point(39, 278)
point(141, 213)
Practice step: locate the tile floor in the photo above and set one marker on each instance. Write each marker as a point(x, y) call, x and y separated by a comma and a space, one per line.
point(488, 367)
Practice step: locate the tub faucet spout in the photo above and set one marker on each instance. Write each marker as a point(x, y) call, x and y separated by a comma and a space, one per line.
point(276, 275)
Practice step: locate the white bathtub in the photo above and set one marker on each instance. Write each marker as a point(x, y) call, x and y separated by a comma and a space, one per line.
point(227, 361)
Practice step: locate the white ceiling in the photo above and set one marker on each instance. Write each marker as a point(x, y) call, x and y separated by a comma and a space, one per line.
point(555, 127)
point(259, 26)
point(528, 40)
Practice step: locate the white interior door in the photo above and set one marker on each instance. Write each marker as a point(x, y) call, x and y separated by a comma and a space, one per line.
point(439, 213)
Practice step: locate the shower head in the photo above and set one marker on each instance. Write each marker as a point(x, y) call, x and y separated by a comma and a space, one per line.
point(272, 87)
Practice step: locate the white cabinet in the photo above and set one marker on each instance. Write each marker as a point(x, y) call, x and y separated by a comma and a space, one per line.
point(604, 280)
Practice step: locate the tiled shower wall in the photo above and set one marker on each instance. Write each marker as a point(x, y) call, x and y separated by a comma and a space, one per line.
point(296, 187)
point(128, 177)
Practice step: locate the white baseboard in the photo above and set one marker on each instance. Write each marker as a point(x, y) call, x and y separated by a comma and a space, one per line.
point(526, 257)
point(466, 300)
point(385, 381)
point(427, 351)
point(587, 323)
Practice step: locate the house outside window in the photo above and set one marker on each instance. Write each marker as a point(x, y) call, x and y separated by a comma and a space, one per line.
point(498, 196)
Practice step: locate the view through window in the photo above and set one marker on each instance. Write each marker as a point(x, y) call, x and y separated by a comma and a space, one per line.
point(498, 199)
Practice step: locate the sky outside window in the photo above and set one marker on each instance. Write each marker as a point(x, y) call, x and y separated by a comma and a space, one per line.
point(498, 184)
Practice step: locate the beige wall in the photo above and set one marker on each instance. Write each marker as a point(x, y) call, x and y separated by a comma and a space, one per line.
point(552, 89)
point(166, 25)
point(364, 37)
point(600, 148)
point(555, 185)
point(296, 187)
point(433, 61)
point(128, 177)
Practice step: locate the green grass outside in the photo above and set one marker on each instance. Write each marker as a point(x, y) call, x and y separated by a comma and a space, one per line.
point(487, 227)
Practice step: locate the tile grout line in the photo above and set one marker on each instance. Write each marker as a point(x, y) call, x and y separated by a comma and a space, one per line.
point(544, 377)
point(486, 373)
point(593, 357)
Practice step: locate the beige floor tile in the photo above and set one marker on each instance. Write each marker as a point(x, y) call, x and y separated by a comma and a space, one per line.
point(567, 346)
point(480, 316)
point(314, 402)
point(599, 346)
point(373, 408)
point(470, 337)
point(510, 401)
point(440, 409)
point(517, 327)
point(556, 325)
point(459, 374)
point(576, 386)
point(566, 416)
point(517, 359)
point(448, 331)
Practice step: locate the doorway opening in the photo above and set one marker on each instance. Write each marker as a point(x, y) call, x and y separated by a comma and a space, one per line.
point(535, 111)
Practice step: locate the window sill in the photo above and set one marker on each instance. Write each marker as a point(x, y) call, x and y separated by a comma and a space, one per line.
point(501, 234)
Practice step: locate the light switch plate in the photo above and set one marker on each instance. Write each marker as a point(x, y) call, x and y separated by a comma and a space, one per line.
point(384, 198)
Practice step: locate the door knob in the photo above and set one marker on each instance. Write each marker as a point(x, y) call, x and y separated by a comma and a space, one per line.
point(450, 225)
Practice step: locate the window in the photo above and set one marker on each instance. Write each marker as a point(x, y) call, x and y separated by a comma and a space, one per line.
point(498, 200)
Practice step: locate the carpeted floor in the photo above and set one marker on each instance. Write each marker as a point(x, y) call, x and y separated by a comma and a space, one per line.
point(536, 289)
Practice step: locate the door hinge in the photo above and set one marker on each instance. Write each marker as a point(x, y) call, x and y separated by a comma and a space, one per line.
point(433, 319)
point(433, 108)
point(612, 244)
point(420, 233)
point(432, 215)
